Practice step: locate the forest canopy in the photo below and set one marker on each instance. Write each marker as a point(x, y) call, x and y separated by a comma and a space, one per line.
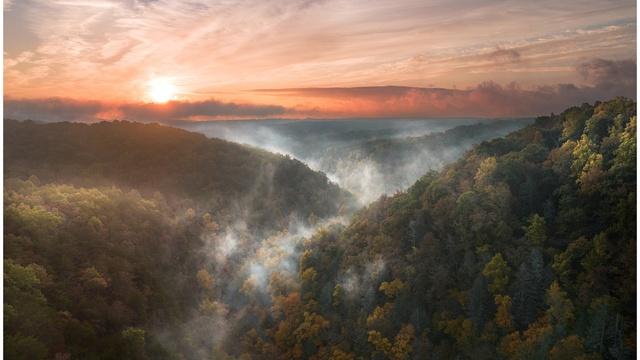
point(524, 248)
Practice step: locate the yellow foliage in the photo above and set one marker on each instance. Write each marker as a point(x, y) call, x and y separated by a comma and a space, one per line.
point(393, 288)
point(338, 354)
point(510, 345)
point(486, 168)
point(503, 312)
point(311, 326)
point(570, 347)
point(92, 278)
point(205, 280)
point(400, 348)
point(497, 271)
point(520, 346)
point(402, 345)
point(379, 314)
point(460, 329)
point(380, 342)
point(560, 307)
point(309, 274)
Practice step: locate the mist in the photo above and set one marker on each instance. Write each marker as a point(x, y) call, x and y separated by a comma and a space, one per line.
point(369, 158)
point(245, 269)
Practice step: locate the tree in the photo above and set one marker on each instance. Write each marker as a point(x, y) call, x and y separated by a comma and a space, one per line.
point(205, 280)
point(497, 271)
point(570, 347)
point(574, 119)
point(536, 231)
point(503, 313)
point(485, 171)
point(481, 305)
point(393, 288)
point(560, 307)
point(134, 343)
point(21, 347)
point(530, 290)
point(401, 346)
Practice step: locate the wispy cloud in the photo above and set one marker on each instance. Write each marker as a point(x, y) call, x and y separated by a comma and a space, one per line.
point(614, 73)
point(110, 48)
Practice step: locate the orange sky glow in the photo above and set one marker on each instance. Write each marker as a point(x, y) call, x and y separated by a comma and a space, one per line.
point(156, 60)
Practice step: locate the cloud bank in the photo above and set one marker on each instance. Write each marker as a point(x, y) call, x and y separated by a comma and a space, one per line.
point(63, 109)
point(604, 79)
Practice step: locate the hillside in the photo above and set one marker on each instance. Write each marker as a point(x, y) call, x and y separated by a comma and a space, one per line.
point(383, 166)
point(220, 177)
point(111, 229)
point(367, 157)
point(87, 270)
point(523, 249)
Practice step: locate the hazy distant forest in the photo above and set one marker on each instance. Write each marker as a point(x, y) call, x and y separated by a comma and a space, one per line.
point(125, 240)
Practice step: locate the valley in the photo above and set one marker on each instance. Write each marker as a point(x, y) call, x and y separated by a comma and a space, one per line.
point(141, 241)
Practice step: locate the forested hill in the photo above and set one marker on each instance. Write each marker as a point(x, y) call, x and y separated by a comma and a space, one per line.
point(523, 249)
point(386, 165)
point(219, 176)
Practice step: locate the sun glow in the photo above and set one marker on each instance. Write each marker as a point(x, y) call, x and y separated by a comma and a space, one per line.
point(161, 90)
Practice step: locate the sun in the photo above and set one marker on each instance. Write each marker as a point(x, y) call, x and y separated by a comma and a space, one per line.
point(161, 90)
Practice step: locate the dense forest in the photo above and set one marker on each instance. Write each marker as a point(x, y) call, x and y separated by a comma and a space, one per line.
point(523, 249)
point(107, 226)
point(118, 248)
point(216, 175)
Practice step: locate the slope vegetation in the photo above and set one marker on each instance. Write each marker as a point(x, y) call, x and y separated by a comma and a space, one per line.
point(523, 249)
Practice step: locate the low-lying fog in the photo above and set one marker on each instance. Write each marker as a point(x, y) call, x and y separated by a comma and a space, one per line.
point(367, 157)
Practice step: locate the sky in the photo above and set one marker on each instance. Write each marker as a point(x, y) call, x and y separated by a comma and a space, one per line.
point(156, 60)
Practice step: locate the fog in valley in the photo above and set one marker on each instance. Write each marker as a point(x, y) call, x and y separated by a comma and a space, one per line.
point(367, 157)
point(252, 237)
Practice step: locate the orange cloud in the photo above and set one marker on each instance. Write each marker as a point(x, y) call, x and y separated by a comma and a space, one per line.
point(607, 79)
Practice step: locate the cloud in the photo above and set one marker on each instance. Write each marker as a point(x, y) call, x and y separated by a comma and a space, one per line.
point(52, 109)
point(61, 109)
point(178, 110)
point(111, 48)
point(601, 71)
point(606, 79)
point(501, 56)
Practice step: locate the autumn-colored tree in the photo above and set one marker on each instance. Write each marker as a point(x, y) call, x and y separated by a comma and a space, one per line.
point(205, 280)
point(400, 348)
point(393, 288)
point(560, 307)
point(571, 347)
point(503, 312)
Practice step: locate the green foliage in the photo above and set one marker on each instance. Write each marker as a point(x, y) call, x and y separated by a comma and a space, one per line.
point(108, 260)
point(216, 174)
point(536, 231)
point(553, 198)
point(497, 271)
point(134, 343)
point(421, 274)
